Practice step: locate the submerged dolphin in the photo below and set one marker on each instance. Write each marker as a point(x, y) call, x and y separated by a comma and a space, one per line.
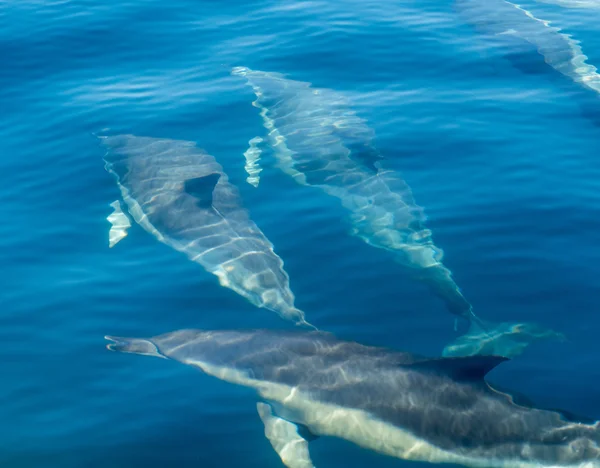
point(181, 195)
point(398, 404)
point(574, 3)
point(319, 141)
point(513, 26)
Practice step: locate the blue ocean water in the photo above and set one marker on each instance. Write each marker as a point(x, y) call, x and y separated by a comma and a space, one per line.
point(501, 151)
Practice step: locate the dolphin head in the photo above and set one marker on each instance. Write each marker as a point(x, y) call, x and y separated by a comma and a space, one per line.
point(189, 346)
point(225, 353)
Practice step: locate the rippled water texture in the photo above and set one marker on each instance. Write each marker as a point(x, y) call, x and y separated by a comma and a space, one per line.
point(496, 142)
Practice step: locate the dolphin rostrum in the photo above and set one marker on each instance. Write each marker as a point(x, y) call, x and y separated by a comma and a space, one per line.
point(181, 195)
point(398, 404)
point(512, 26)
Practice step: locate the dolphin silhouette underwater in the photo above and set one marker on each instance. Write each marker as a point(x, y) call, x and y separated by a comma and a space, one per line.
point(398, 404)
point(181, 195)
point(516, 29)
point(574, 3)
point(319, 141)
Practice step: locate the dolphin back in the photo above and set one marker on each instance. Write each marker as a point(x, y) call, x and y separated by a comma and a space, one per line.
point(153, 175)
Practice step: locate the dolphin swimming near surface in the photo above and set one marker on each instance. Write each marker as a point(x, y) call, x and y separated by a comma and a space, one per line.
point(410, 407)
point(514, 27)
point(181, 195)
point(320, 141)
point(574, 3)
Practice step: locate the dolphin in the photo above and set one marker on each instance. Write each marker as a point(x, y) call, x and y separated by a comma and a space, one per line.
point(513, 28)
point(574, 3)
point(319, 141)
point(442, 410)
point(180, 194)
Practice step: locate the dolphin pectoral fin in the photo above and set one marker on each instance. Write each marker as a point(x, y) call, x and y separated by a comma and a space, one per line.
point(284, 436)
point(119, 224)
point(504, 339)
point(252, 155)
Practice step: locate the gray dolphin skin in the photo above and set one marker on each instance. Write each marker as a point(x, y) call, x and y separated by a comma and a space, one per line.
point(398, 404)
point(180, 194)
point(319, 141)
point(513, 27)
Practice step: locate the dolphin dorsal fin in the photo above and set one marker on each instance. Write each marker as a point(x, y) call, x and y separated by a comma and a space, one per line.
point(202, 188)
point(462, 368)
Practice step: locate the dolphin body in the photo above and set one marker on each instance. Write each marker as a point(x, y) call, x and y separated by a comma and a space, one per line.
point(398, 404)
point(574, 3)
point(320, 142)
point(180, 194)
point(517, 30)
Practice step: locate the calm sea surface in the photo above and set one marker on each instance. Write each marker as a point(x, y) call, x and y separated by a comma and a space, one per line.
point(500, 149)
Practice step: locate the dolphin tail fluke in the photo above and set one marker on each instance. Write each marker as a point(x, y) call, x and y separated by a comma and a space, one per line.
point(285, 439)
point(499, 339)
point(479, 325)
point(133, 346)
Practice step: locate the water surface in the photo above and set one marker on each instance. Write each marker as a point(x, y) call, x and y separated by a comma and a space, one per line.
point(501, 151)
